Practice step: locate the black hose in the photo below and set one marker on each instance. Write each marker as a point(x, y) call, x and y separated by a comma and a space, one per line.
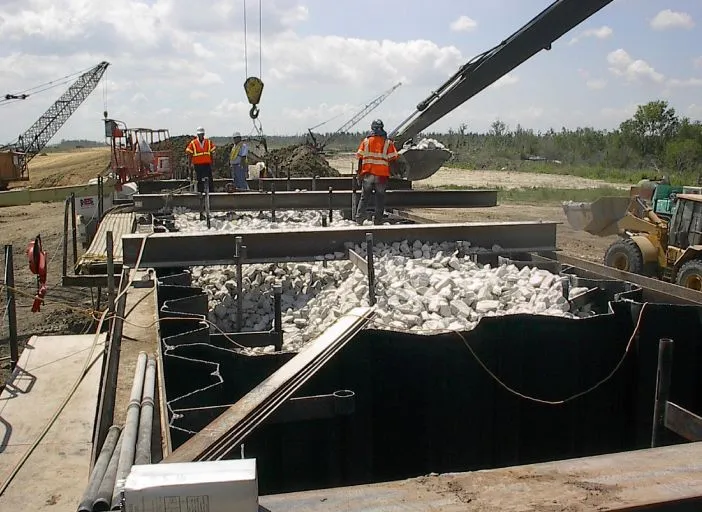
point(98, 473)
point(129, 434)
point(103, 498)
point(143, 446)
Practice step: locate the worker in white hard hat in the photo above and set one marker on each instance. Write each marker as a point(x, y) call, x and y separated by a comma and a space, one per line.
point(201, 153)
point(238, 162)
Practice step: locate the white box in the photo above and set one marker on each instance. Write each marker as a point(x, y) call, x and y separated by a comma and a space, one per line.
point(219, 486)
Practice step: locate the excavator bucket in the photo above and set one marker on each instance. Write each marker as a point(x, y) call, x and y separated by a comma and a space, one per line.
point(598, 218)
point(420, 164)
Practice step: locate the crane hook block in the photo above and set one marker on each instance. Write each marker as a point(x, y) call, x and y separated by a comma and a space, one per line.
point(253, 86)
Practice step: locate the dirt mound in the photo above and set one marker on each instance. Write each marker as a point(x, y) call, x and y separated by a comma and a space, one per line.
point(301, 160)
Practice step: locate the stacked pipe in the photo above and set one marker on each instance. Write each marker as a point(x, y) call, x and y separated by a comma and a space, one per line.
point(125, 445)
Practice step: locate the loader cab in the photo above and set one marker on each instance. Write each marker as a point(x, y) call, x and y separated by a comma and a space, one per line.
point(686, 223)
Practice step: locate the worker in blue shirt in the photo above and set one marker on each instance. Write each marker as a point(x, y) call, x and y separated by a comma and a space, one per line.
point(238, 163)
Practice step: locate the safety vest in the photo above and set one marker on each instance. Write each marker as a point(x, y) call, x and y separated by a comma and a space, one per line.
point(201, 153)
point(376, 153)
point(235, 154)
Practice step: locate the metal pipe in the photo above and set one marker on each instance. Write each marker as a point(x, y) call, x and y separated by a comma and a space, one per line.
point(98, 472)
point(239, 281)
point(143, 446)
point(101, 199)
point(273, 203)
point(103, 499)
point(131, 426)
point(278, 315)
point(75, 232)
point(109, 241)
point(371, 268)
point(331, 205)
point(354, 189)
point(11, 306)
point(207, 201)
point(65, 237)
point(665, 367)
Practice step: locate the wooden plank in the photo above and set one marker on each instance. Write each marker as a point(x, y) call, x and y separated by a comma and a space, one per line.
point(96, 256)
point(683, 422)
point(56, 473)
point(661, 479)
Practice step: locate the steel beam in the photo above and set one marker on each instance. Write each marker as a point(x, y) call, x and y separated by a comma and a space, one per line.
point(315, 200)
point(192, 249)
point(280, 184)
point(226, 433)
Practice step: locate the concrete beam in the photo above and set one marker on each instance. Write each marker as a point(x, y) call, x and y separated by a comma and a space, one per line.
point(280, 184)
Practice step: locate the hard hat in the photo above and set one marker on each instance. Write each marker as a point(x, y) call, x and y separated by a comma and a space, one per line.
point(200, 130)
point(236, 134)
point(377, 125)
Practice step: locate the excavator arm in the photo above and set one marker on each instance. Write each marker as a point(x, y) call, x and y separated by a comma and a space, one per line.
point(485, 69)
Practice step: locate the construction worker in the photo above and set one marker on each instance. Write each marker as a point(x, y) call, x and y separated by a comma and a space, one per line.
point(374, 156)
point(201, 151)
point(238, 163)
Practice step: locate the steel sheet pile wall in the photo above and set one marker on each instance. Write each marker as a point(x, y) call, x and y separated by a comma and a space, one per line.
point(424, 404)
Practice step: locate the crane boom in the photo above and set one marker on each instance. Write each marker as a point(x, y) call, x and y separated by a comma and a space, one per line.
point(371, 106)
point(31, 142)
point(485, 69)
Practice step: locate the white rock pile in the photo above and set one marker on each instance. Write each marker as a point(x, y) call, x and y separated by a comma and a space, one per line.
point(421, 287)
point(429, 144)
point(242, 221)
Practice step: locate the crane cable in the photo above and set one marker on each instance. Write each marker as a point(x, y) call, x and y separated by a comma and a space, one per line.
point(21, 95)
point(253, 86)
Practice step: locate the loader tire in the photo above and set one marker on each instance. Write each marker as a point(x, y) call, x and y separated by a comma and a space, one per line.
point(690, 275)
point(625, 255)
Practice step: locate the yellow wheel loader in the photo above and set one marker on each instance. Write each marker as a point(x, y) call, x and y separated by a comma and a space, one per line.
point(647, 244)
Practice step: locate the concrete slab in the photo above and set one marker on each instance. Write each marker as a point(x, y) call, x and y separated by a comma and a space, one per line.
point(56, 473)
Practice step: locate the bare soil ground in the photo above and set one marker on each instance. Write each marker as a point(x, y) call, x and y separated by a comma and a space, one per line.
point(73, 167)
point(484, 178)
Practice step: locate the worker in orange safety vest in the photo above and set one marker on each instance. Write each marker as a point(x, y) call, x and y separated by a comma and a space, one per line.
point(374, 156)
point(201, 150)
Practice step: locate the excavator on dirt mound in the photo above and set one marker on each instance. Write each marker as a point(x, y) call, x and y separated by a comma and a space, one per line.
point(660, 238)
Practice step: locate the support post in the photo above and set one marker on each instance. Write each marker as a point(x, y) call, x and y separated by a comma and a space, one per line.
point(314, 183)
point(65, 236)
point(272, 201)
point(238, 257)
point(354, 188)
point(75, 233)
point(11, 306)
point(324, 222)
point(665, 366)
point(101, 200)
point(288, 181)
point(371, 269)
point(331, 205)
point(278, 315)
point(110, 271)
point(207, 201)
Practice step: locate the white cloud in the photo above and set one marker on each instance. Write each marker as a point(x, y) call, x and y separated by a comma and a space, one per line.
point(623, 65)
point(506, 80)
point(596, 84)
point(603, 32)
point(618, 113)
point(697, 62)
point(463, 24)
point(668, 19)
point(688, 82)
point(695, 111)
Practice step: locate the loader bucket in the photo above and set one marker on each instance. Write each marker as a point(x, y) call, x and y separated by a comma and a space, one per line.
point(598, 218)
point(420, 164)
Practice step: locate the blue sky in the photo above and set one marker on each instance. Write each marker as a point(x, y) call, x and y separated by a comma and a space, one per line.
point(175, 66)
